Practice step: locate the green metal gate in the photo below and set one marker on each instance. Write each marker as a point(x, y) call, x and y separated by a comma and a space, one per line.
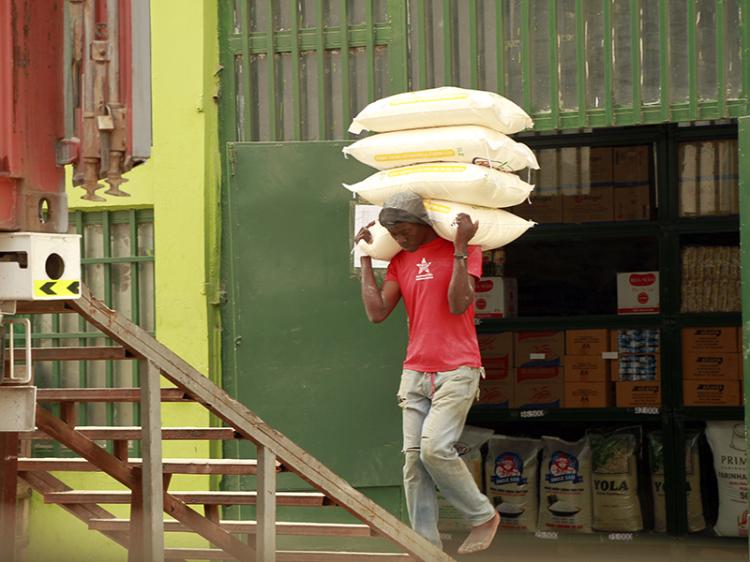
point(300, 69)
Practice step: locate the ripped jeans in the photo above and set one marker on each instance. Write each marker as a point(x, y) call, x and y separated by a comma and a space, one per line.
point(435, 406)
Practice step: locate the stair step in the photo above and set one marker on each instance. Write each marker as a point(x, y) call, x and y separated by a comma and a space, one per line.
point(289, 555)
point(170, 466)
point(298, 499)
point(134, 433)
point(106, 395)
point(231, 526)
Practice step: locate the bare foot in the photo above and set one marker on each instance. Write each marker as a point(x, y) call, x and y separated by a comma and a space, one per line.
point(480, 536)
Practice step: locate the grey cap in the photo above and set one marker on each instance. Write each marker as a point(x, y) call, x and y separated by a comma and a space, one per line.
point(404, 207)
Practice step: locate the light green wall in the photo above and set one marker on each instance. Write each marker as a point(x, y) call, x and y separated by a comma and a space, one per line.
point(180, 182)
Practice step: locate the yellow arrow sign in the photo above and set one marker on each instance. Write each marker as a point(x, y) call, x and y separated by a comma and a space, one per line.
point(44, 288)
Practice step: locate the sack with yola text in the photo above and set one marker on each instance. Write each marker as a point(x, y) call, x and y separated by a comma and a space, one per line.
point(383, 246)
point(565, 486)
point(440, 107)
point(728, 445)
point(452, 181)
point(614, 475)
point(496, 227)
point(696, 521)
point(469, 449)
point(471, 144)
point(511, 476)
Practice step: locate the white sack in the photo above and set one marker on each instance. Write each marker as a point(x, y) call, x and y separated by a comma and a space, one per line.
point(565, 488)
point(440, 107)
point(727, 441)
point(496, 227)
point(462, 183)
point(469, 143)
point(383, 246)
point(696, 521)
point(512, 467)
point(617, 507)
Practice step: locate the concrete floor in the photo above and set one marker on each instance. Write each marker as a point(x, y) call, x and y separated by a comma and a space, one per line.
point(598, 548)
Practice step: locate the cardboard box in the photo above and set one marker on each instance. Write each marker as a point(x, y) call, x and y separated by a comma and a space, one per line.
point(496, 393)
point(587, 395)
point(497, 355)
point(585, 368)
point(718, 340)
point(632, 185)
point(712, 393)
point(537, 371)
point(638, 394)
point(496, 297)
point(538, 394)
point(638, 292)
point(496, 345)
point(712, 366)
point(547, 347)
point(586, 342)
point(542, 209)
point(708, 178)
point(590, 204)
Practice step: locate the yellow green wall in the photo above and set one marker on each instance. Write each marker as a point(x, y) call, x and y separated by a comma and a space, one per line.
point(181, 183)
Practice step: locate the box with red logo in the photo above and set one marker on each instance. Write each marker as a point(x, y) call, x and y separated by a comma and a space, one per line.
point(496, 297)
point(638, 292)
point(538, 394)
point(496, 393)
point(497, 354)
point(539, 348)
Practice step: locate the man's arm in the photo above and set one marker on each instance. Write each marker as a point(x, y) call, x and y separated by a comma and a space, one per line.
point(461, 288)
point(379, 303)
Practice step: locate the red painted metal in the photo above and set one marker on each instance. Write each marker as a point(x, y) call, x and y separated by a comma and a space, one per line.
point(8, 499)
point(31, 115)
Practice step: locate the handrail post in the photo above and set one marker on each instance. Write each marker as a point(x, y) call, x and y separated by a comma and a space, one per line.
point(266, 506)
point(152, 475)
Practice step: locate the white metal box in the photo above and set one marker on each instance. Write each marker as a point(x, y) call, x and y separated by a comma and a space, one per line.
point(40, 266)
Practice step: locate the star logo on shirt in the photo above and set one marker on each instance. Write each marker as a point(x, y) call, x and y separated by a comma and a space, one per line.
point(424, 270)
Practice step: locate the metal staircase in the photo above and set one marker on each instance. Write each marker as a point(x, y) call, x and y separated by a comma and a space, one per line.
point(147, 480)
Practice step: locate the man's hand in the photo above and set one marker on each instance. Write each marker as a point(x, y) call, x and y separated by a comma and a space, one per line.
point(364, 234)
point(465, 231)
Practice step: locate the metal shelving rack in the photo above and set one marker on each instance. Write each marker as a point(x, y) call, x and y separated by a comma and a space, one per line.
point(667, 228)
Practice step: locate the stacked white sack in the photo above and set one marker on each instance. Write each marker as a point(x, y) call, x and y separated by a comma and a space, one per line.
point(434, 139)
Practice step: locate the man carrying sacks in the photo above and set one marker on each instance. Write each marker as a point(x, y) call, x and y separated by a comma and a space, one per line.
point(442, 369)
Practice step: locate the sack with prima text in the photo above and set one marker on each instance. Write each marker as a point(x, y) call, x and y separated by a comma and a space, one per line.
point(452, 181)
point(470, 144)
point(728, 445)
point(496, 227)
point(438, 107)
point(511, 477)
point(469, 449)
point(696, 521)
point(614, 476)
point(565, 486)
point(383, 246)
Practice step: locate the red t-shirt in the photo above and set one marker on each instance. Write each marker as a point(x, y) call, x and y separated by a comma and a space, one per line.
point(438, 340)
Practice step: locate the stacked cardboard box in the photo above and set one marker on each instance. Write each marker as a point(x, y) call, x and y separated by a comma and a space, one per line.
point(711, 279)
point(538, 379)
point(711, 367)
point(632, 184)
point(496, 297)
point(497, 358)
point(586, 370)
point(637, 372)
point(546, 201)
point(708, 178)
point(586, 183)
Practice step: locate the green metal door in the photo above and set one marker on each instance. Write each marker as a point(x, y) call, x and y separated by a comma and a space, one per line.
point(298, 349)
